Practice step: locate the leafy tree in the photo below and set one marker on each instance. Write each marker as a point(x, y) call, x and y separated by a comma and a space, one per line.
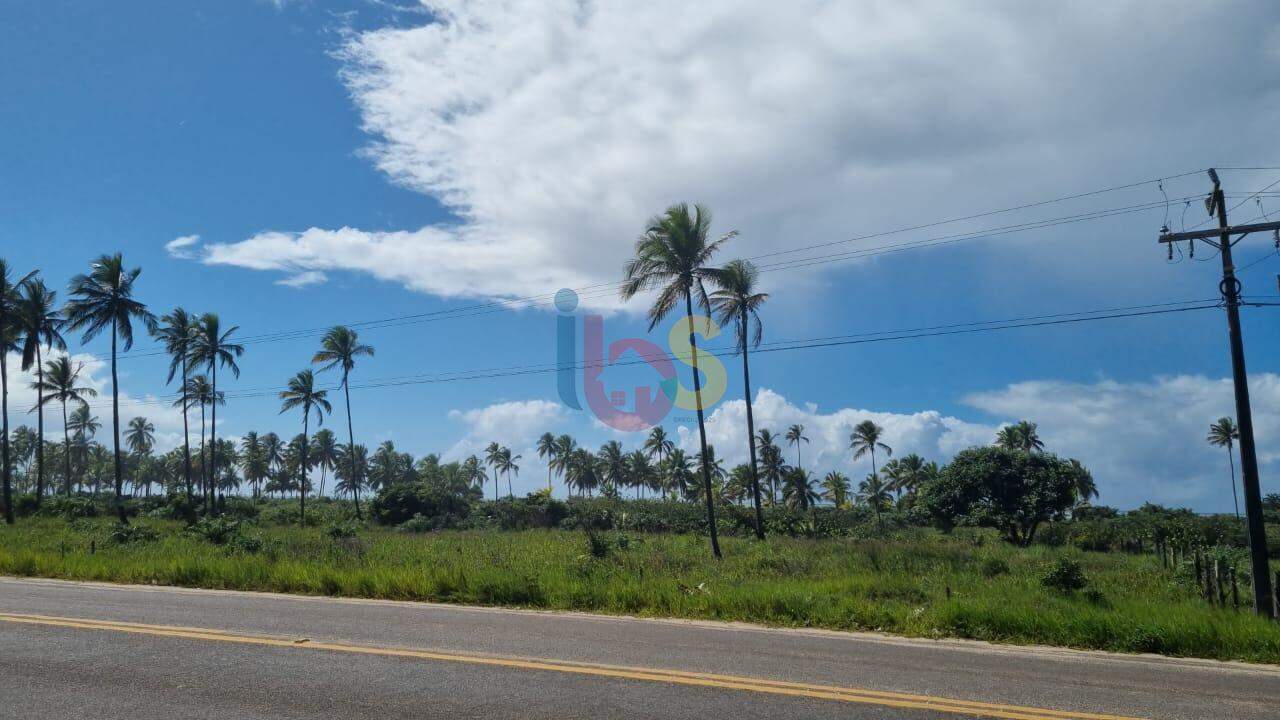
point(673, 257)
point(41, 325)
point(302, 393)
point(738, 301)
point(60, 382)
point(864, 440)
point(339, 348)
point(1224, 434)
point(101, 300)
point(1013, 491)
point(175, 332)
point(211, 346)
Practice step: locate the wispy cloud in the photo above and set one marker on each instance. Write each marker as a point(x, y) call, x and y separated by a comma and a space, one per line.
point(183, 247)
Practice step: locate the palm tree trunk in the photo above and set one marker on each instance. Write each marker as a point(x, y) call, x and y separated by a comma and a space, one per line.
point(4, 408)
point(302, 468)
point(213, 431)
point(751, 431)
point(39, 427)
point(1231, 458)
point(66, 445)
point(204, 463)
point(702, 429)
point(351, 438)
point(115, 427)
point(186, 431)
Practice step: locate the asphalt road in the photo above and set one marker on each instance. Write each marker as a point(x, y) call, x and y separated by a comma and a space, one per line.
point(70, 650)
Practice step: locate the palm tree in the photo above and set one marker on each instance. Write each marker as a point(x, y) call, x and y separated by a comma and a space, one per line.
point(676, 470)
point(775, 467)
point(1224, 434)
point(795, 435)
point(507, 466)
point(351, 469)
point(339, 348)
point(798, 491)
point(908, 474)
point(865, 439)
point(473, 473)
point(737, 301)
point(84, 425)
point(493, 458)
point(1021, 435)
point(657, 445)
point(326, 453)
point(200, 391)
point(835, 487)
point(673, 257)
point(1085, 487)
point(547, 448)
point(582, 470)
point(175, 332)
point(100, 300)
point(302, 393)
point(559, 461)
point(211, 347)
point(640, 470)
point(140, 437)
point(253, 458)
point(59, 382)
point(10, 328)
point(41, 326)
point(874, 493)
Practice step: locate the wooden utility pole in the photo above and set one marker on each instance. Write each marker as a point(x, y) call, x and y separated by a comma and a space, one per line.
point(1230, 288)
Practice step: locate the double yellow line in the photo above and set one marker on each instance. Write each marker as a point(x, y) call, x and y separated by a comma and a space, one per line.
point(675, 677)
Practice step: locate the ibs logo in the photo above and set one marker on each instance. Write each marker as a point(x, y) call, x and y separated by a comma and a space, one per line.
point(650, 403)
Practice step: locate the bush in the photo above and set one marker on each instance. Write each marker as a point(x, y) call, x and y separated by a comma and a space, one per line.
point(417, 524)
point(993, 567)
point(1065, 576)
point(71, 508)
point(25, 505)
point(246, 544)
point(341, 530)
point(218, 530)
point(122, 534)
point(398, 503)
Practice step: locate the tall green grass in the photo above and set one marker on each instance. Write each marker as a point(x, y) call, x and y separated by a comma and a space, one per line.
point(919, 584)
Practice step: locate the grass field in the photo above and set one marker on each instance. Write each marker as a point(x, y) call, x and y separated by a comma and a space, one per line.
point(921, 584)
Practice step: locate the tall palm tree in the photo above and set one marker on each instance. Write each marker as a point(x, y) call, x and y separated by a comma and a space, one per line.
point(507, 466)
point(41, 324)
point(302, 393)
point(771, 460)
point(84, 425)
point(559, 462)
point(175, 332)
point(835, 487)
point(909, 473)
point(582, 470)
point(874, 493)
point(10, 329)
point(547, 449)
point(737, 301)
point(493, 458)
point(1224, 434)
point(326, 453)
point(101, 300)
point(658, 445)
point(673, 256)
point(60, 382)
point(795, 435)
point(351, 469)
point(613, 463)
point(211, 347)
point(339, 348)
point(200, 391)
point(473, 473)
point(140, 437)
point(865, 439)
point(677, 473)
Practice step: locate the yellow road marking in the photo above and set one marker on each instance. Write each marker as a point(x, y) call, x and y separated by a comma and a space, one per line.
point(711, 680)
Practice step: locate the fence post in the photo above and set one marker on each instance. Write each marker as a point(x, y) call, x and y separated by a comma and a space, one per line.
point(1235, 589)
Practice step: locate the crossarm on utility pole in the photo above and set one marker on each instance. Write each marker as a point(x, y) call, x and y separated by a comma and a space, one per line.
point(1219, 232)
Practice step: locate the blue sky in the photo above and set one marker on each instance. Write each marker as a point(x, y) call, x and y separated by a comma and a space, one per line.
point(345, 162)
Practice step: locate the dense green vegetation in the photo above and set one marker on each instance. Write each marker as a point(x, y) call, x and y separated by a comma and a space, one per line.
point(912, 581)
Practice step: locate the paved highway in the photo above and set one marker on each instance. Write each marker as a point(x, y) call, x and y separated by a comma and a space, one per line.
point(80, 650)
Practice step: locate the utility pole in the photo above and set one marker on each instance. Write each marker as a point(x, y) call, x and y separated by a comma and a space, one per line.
point(1230, 289)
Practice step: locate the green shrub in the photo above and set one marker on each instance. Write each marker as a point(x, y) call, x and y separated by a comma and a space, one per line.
point(397, 503)
point(417, 524)
point(993, 567)
point(71, 508)
point(218, 530)
point(122, 534)
point(1065, 576)
point(342, 529)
